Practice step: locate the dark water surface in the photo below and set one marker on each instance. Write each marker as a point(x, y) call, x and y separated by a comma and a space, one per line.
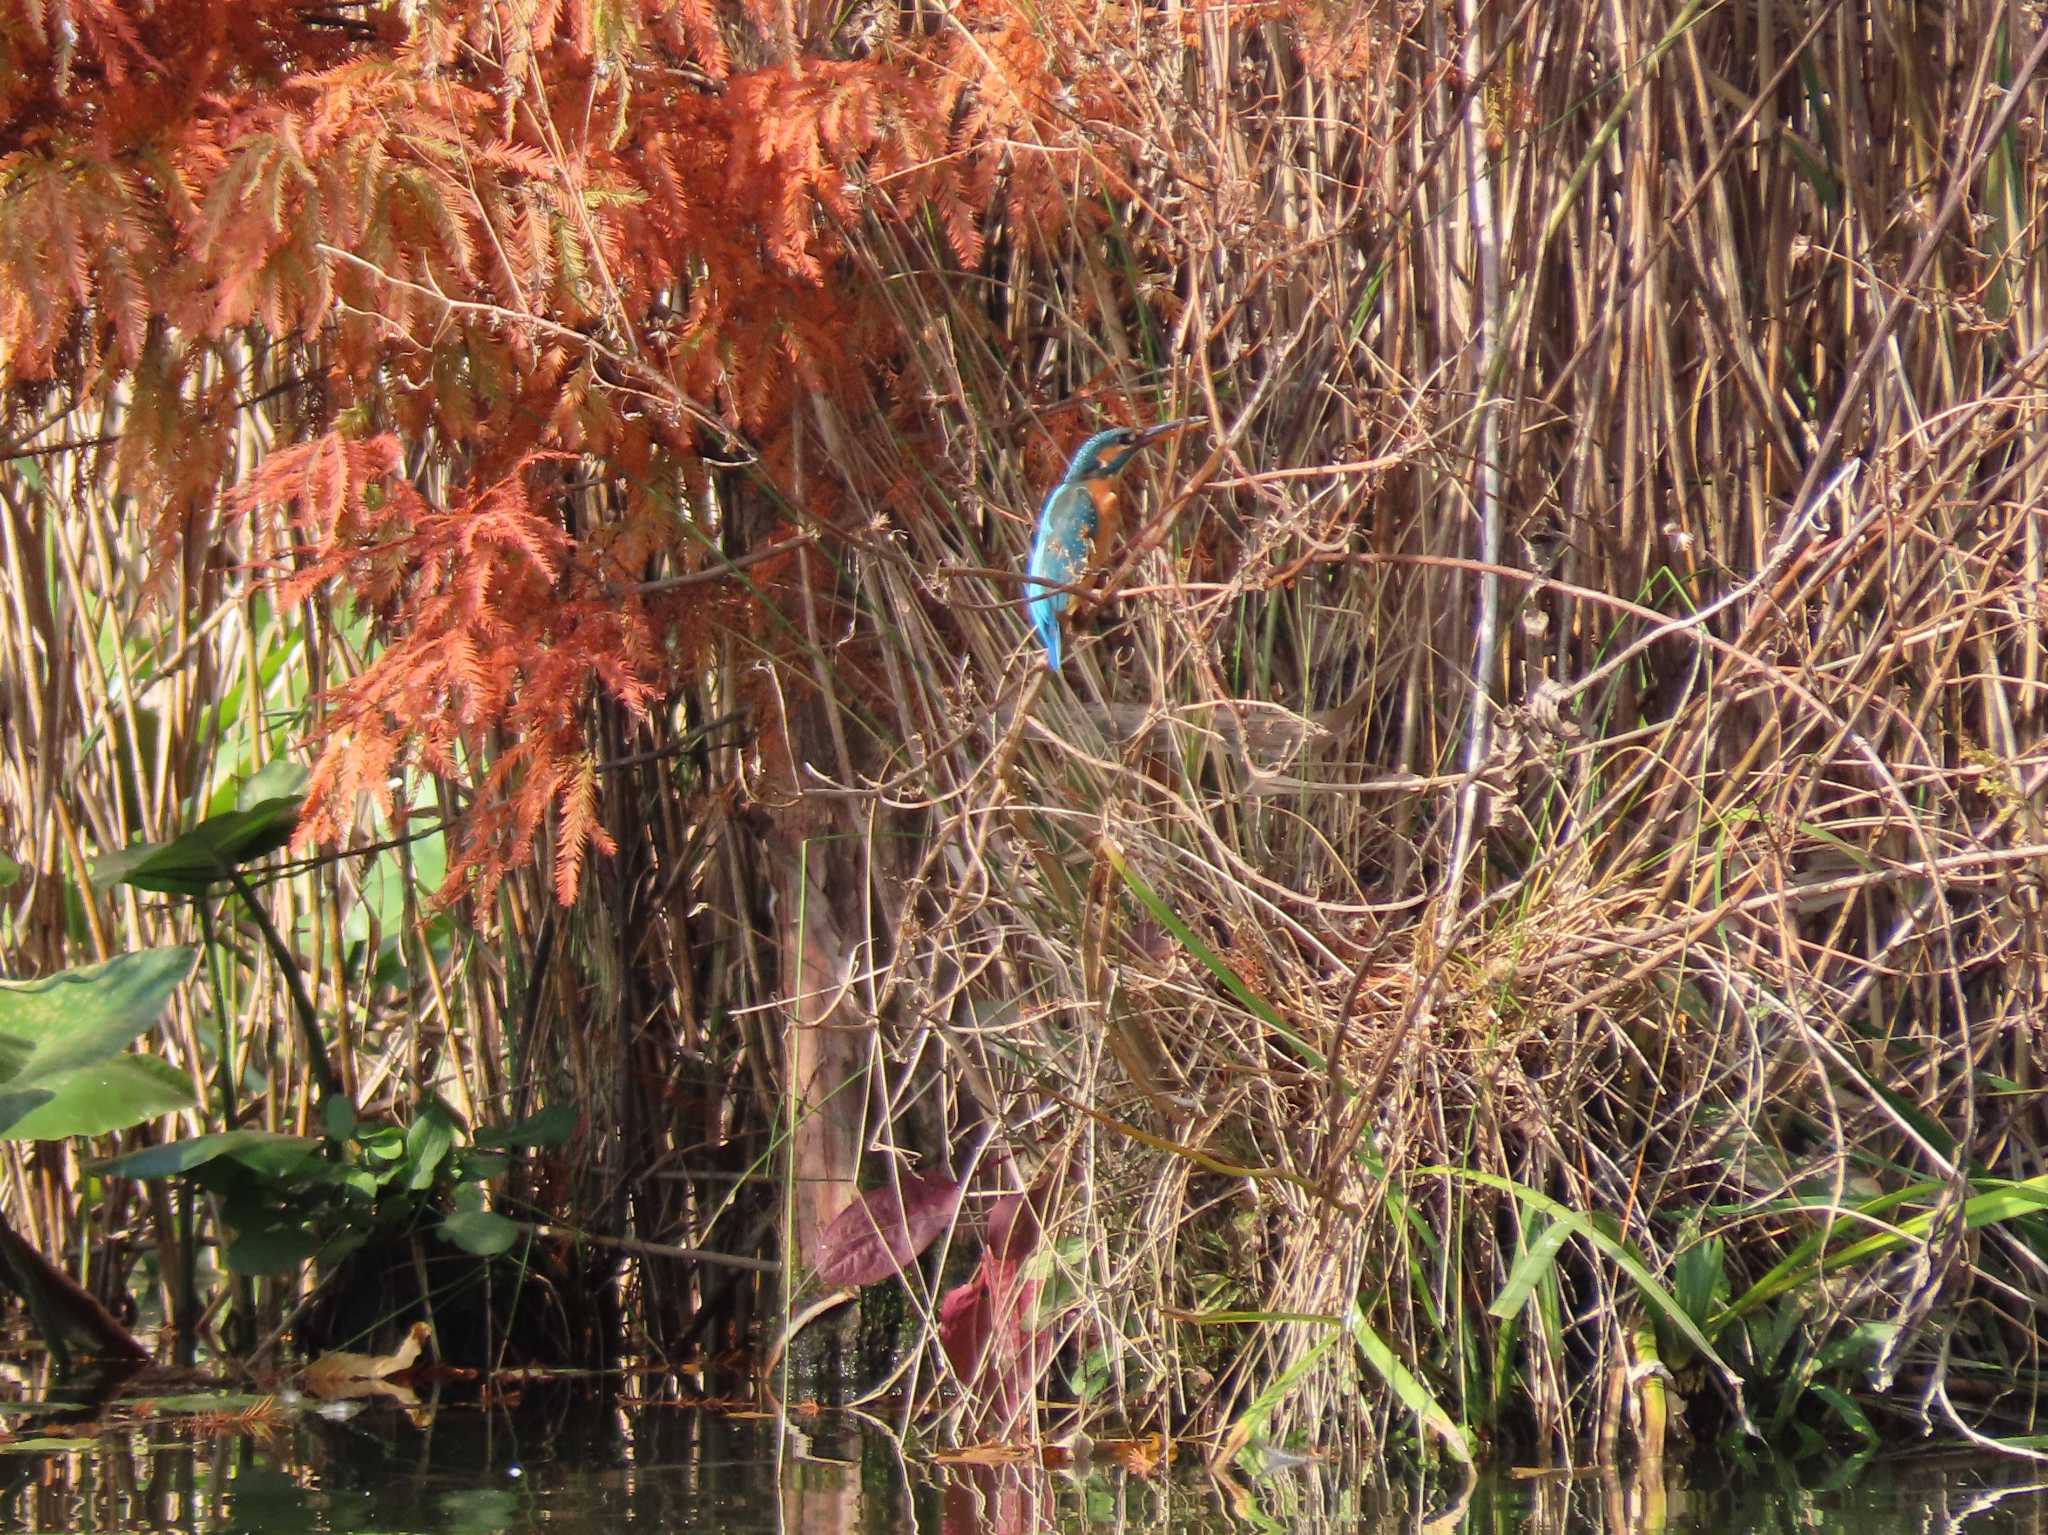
point(588, 1468)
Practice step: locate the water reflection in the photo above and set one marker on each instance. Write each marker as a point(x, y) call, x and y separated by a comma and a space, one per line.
point(574, 1465)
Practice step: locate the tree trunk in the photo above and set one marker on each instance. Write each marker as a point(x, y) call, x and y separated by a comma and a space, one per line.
point(820, 898)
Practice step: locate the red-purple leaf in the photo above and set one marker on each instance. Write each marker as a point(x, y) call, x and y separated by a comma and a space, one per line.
point(878, 1235)
point(966, 1323)
point(984, 1327)
point(1013, 1228)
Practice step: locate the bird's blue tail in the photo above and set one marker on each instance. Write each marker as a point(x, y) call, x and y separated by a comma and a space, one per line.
point(1045, 618)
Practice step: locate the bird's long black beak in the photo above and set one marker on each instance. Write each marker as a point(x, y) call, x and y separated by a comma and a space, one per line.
point(1168, 428)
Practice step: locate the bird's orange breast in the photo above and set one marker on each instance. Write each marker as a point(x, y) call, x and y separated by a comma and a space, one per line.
point(1109, 519)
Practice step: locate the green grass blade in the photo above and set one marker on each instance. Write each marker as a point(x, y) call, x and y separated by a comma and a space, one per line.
point(1213, 962)
point(1645, 1282)
point(1411, 1392)
point(1536, 1261)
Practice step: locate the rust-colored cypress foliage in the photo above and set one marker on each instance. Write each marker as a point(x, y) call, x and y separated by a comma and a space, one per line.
point(476, 239)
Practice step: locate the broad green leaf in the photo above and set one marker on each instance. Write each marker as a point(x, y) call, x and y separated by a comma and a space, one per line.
point(271, 1249)
point(339, 1246)
point(551, 1126)
point(19, 1104)
point(390, 877)
point(1411, 1392)
point(1699, 1282)
point(480, 1232)
point(480, 1166)
point(278, 779)
point(263, 1150)
point(427, 1145)
point(194, 862)
point(78, 1018)
point(1698, 1277)
point(95, 1100)
point(338, 1116)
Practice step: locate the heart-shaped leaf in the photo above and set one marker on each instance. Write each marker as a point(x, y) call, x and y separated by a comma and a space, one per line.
point(271, 1249)
point(60, 1024)
point(96, 1100)
point(551, 1126)
point(480, 1232)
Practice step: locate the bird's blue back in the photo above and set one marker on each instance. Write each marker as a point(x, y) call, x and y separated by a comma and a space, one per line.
point(1067, 525)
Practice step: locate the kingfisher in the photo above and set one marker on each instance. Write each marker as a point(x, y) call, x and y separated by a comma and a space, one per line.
point(1080, 521)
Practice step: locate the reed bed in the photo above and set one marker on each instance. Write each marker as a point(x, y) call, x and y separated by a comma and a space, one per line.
point(1519, 923)
point(1537, 846)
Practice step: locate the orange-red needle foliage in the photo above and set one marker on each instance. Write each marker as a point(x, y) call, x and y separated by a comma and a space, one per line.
point(466, 256)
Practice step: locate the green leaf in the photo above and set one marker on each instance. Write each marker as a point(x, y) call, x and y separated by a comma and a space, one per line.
point(1250, 1425)
point(1616, 1251)
point(2001, 1201)
point(1699, 1276)
point(551, 1126)
point(20, 1104)
point(338, 1115)
point(1213, 962)
point(95, 1100)
point(77, 1018)
point(271, 1249)
point(278, 779)
point(193, 863)
point(480, 1232)
point(473, 1167)
point(1536, 1261)
point(1849, 1411)
point(1413, 1394)
point(1862, 1343)
point(262, 1150)
point(339, 1246)
point(209, 1401)
point(427, 1145)
point(81, 1017)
